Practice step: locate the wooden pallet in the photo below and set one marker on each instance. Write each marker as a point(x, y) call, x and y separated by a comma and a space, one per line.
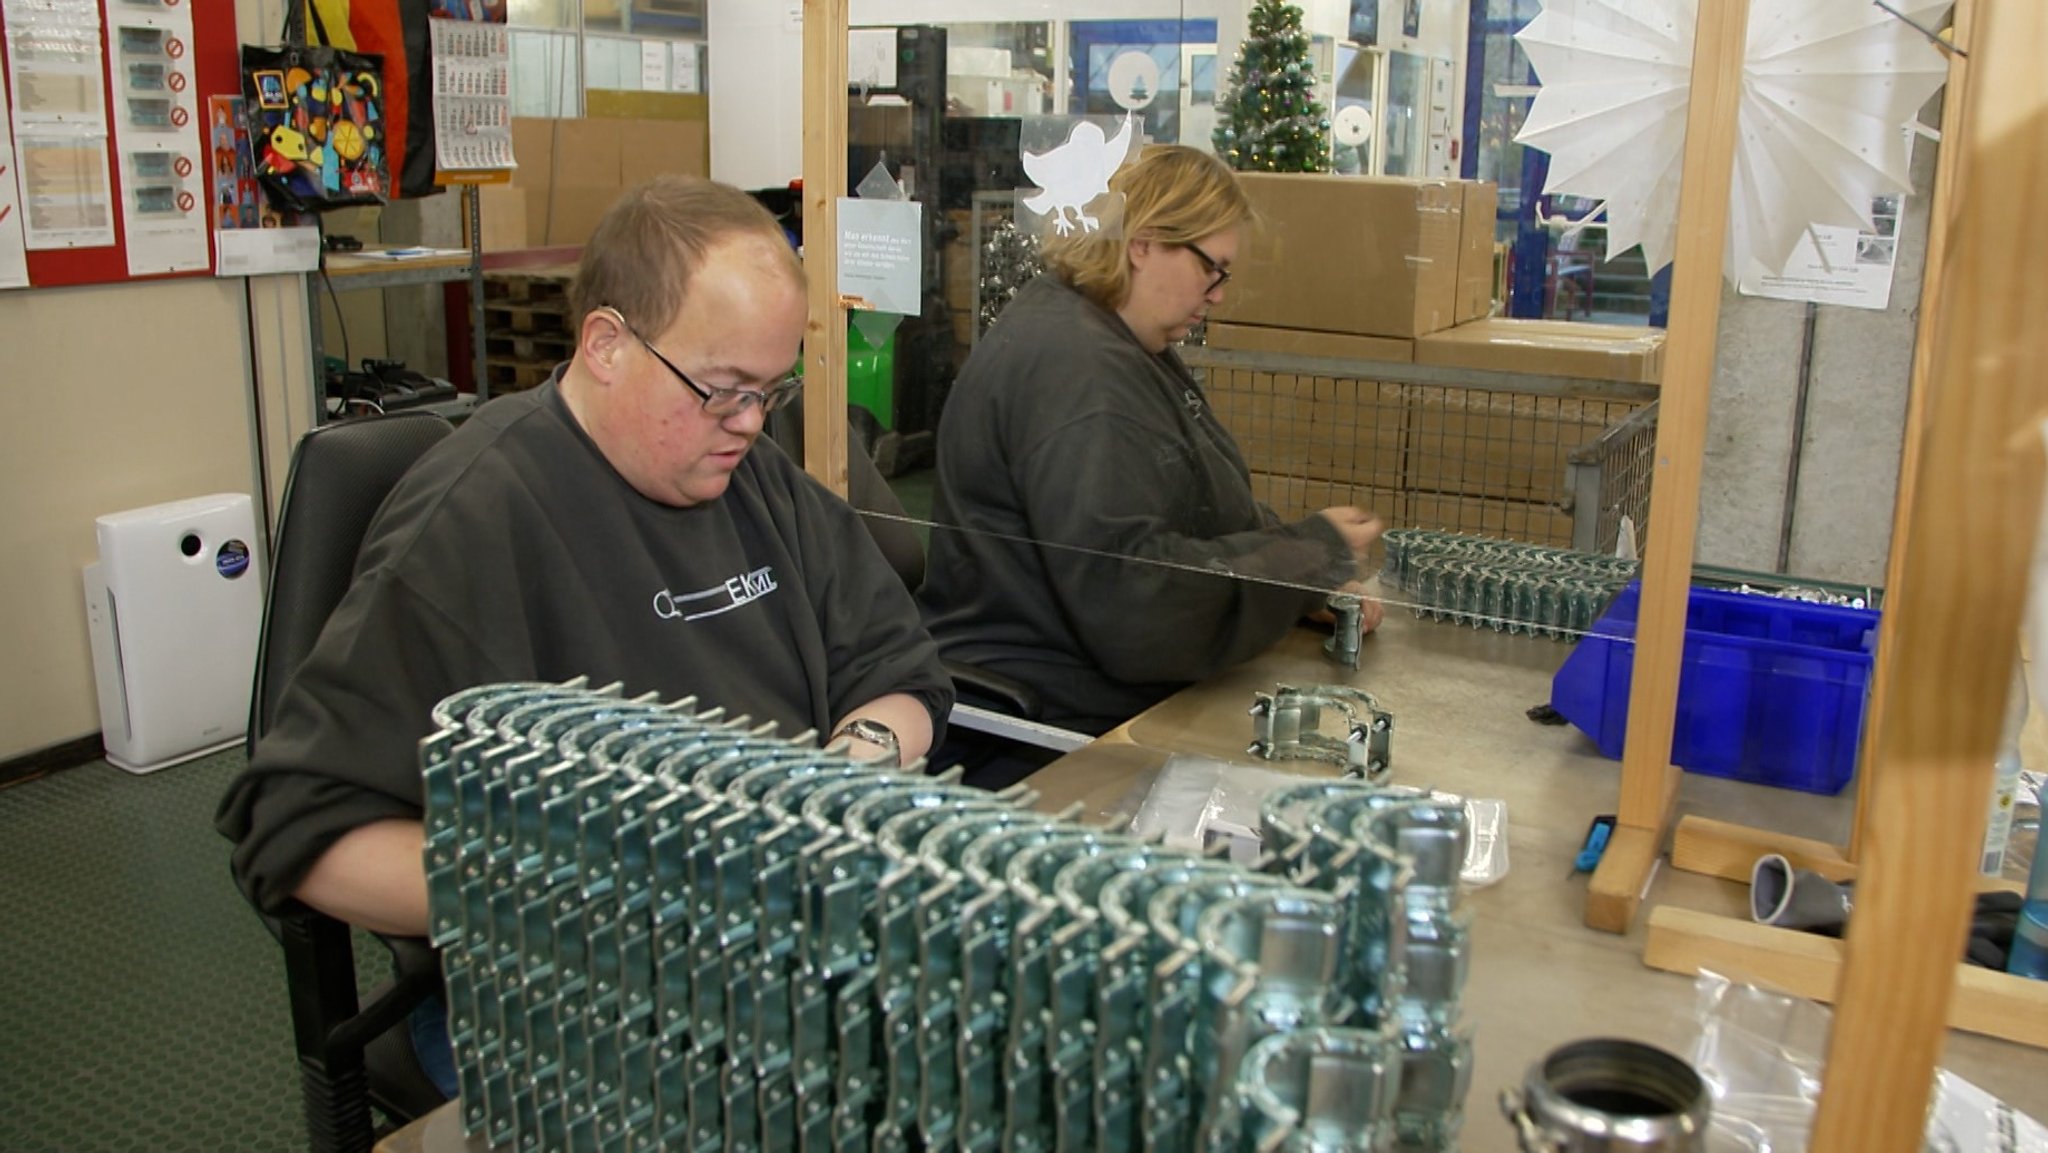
point(529, 285)
point(508, 375)
point(525, 319)
point(549, 347)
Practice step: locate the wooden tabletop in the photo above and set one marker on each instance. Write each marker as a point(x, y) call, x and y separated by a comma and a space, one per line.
point(341, 264)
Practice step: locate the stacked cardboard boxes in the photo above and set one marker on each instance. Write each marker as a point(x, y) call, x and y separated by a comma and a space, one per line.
point(1366, 256)
point(1313, 442)
point(570, 171)
point(1394, 271)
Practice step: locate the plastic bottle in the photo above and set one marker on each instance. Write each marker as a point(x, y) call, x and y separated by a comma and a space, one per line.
point(2029, 957)
point(2005, 783)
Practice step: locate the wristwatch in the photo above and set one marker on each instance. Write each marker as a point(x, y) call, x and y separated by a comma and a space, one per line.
point(875, 733)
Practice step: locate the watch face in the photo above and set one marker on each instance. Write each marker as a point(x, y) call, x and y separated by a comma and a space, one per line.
point(873, 732)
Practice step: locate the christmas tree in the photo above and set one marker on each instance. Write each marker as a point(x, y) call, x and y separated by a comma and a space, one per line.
point(1270, 121)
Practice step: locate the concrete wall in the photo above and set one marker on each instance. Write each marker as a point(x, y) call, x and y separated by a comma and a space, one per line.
point(1855, 418)
point(119, 397)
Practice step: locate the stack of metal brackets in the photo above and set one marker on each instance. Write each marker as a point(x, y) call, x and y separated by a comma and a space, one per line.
point(665, 929)
point(1502, 585)
point(1392, 856)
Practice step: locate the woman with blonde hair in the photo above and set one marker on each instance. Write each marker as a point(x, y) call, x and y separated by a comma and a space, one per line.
point(1096, 536)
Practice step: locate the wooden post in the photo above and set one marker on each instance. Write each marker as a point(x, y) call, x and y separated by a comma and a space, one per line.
point(1722, 849)
point(1957, 604)
point(1941, 208)
point(825, 428)
point(1649, 783)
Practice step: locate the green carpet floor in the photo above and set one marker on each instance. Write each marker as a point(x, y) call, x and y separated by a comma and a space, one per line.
point(143, 1006)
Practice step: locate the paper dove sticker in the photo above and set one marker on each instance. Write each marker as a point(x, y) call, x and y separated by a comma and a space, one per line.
point(1073, 174)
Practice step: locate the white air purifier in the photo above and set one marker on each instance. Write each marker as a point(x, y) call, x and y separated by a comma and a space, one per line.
point(175, 606)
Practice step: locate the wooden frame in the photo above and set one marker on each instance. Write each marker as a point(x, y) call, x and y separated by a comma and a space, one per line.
point(1717, 848)
point(1649, 782)
point(825, 429)
point(1968, 505)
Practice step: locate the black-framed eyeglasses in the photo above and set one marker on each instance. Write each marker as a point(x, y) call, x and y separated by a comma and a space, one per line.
point(724, 401)
point(1220, 273)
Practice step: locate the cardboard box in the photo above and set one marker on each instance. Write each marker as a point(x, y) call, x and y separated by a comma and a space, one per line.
point(649, 148)
point(565, 216)
point(1319, 428)
point(1297, 498)
point(1372, 256)
point(956, 271)
point(533, 149)
point(587, 154)
point(1503, 445)
point(1475, 252)
point(1302, 342)
point(1551, 348)
point(501, 209)
point(1507, 519)
point(570, 171)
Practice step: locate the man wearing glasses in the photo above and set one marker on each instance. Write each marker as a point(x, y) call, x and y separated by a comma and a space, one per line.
point(621, 522)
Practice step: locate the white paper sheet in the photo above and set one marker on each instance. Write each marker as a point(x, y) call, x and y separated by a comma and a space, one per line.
point(164, 209)
point(653, 66)
point(682, 73)
point(879, 262)
point(56, 82)
point(256, 251)
point(1844, 266)
point(13, 248)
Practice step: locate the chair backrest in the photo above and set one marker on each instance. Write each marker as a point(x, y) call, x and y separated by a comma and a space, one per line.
point(340, 475)
point(866, 490)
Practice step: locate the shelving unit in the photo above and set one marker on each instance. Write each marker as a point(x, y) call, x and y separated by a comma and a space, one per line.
point(356, 272)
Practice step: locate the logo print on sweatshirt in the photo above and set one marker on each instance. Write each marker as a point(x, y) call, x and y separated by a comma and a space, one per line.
point(719, 598)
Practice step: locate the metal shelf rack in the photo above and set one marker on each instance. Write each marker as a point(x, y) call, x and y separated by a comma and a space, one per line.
point(352, 272)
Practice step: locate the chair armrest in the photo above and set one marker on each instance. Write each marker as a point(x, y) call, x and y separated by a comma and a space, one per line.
point(992, 690)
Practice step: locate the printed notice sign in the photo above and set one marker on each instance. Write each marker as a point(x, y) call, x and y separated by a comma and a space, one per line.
point(60, 122)
point(1844, 266)
point(164, 206)
point(880, 265)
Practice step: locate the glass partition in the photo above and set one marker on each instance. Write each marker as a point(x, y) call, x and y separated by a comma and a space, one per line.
point(1122, 492)
point(1130, 481)
point(562, 48)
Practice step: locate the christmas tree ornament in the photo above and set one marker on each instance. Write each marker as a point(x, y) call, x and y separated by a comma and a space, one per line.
point(1009, 260)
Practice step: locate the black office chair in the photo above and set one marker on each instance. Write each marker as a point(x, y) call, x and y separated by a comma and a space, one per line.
point(353, 1053)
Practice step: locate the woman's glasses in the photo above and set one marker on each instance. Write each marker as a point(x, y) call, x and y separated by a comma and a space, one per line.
point(1221, 274)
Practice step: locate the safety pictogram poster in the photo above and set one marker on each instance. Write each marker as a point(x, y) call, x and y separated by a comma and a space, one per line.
point(157, 122)
point(103, 169)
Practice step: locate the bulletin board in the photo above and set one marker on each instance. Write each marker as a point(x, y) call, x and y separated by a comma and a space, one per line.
point(144, 163)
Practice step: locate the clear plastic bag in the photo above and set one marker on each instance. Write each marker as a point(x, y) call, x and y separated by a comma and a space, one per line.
point(1760, 1053)
point(1203, 804)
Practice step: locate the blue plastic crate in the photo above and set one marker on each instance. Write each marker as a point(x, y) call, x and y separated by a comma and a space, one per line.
point(1771, 691)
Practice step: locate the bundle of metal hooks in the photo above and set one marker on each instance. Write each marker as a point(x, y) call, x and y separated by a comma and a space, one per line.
point(663, 928)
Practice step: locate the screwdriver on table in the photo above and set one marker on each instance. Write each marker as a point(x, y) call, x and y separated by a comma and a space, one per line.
point(1597, 834)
